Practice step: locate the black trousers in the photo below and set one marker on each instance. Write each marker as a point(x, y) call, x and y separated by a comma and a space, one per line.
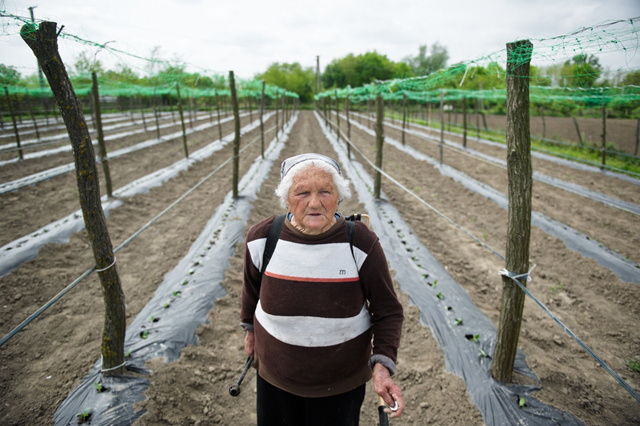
point(280, 408)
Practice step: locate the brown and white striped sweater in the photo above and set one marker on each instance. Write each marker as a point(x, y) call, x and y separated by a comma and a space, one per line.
point(317, 307)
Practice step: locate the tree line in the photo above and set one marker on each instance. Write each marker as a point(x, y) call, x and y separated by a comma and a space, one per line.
point(352, 70)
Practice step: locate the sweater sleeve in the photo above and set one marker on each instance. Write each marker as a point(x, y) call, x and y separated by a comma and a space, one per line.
point(384, 307)
point(252, 277)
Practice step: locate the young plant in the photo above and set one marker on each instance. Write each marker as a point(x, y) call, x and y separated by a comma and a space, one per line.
point(85, 416)
point(522, 402)
point(98, 386)
point(634, 364)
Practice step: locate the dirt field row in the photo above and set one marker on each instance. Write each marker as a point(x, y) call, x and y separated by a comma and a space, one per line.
point(48, 359)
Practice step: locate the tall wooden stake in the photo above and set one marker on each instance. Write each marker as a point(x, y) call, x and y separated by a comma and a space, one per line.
point(236, 137)
point(440, 145)
point(43, 42)
point(604, 133)
point(379, 144)
point(262, 122)
point(464, 121)
point(184, 130)
point(404, 116)
point(103, 149)
point(15, 125)
point(519, 225)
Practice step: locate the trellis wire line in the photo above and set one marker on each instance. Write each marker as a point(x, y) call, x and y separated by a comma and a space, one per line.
point(527, 292)
point(408, 191)
point(88, 272)
point(461, 151)
point(571, 333)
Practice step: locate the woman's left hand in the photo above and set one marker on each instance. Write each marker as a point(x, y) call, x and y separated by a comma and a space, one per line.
point(390, 392)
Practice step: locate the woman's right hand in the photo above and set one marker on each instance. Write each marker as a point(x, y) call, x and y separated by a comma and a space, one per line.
point(249, 341)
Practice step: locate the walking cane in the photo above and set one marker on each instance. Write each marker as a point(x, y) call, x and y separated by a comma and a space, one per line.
point(234, 390)
point(384, 420)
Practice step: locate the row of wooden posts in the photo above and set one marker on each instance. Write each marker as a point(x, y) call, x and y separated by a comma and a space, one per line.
point(519, 172)
point(402, 108)
point(43, 43)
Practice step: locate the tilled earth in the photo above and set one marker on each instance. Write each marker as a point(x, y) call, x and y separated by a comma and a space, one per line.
point(43, 363)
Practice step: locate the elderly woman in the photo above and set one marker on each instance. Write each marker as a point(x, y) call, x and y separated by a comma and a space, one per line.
point(322, 318)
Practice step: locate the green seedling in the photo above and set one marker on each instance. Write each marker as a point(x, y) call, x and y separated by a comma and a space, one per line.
point(152, 319)
point(425, 276)
point(522, 402)
point(98, 386)
point(185, 282)
point(127, 354)
point(85, 416)
point(191, 271)
point(472, 337)
point(144, 334)
point(557, 288)
point(435, 283)
point(166, 305)
point(458, 321)
point(482, 353)
point(177, 293)
point(440, 295)
point(633, 364)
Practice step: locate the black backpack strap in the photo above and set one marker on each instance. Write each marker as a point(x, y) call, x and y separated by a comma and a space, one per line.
point(272, 240)
point(351, 232)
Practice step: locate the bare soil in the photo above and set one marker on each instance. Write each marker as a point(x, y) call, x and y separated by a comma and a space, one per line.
point(43, 363)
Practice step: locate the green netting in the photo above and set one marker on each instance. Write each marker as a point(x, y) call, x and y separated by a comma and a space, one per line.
point(566, 58)
point(163, 75)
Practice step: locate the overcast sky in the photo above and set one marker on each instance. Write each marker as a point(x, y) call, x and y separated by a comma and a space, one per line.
point(247, 36)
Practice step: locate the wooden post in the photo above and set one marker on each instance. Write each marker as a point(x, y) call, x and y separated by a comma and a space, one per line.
point(275, 101)
point(261, 122)
point(635, 151)
point(404, 116)
point(184, 130)
point(440, 145)
point(575, 122)
point(337, 116)
point(15, 125)
point(379, 144)
point(156, 114)
point(43, 42)
point(324, 105)
point(283, 112)
point(604, 133)
point(219, 125)
point(346, 108)
point(144, 122)
point(519, 224)
point(192, 114)
point(103, 149)
point(464, 121)
point(236, 138)
point(33, 117)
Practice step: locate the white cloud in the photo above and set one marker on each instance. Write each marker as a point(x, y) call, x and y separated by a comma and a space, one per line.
point(247, 36)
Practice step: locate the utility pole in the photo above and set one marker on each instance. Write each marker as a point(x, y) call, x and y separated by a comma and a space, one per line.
point(317, 74)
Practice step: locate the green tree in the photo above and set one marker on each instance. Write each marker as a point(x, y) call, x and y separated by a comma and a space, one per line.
point(356, 71)
point(292, 77)
point(84, 65)
point(425, 65)
point(631, 79)
point(582, 71)
point(9, 76)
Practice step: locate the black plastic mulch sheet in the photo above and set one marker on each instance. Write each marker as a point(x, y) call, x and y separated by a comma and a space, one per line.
point(441, 301)
point(169, 321)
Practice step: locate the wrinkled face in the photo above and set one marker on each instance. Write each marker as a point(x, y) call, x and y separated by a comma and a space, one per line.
point(313, 200)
